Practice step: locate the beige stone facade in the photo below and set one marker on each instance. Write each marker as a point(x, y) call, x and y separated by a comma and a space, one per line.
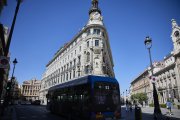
point(30, 89)
point(141, 84)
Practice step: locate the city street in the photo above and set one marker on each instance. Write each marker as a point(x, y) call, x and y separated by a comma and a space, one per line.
point(34, 112)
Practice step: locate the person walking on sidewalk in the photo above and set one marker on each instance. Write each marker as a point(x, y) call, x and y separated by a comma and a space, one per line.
point(169, 106)
point(127, 106)
point(130, 106)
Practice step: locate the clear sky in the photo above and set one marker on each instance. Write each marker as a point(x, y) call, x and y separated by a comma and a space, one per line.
point(43, 26)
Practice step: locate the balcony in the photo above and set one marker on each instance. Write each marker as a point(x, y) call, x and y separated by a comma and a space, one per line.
point(161, 88)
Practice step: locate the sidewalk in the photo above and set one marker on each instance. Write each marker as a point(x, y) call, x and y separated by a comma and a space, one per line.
point(131, 115)
point(147, 114)
point(164, 111)
point(9, 113)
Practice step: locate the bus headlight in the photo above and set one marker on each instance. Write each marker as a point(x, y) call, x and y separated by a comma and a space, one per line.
point(99, 116)
point(117, 114)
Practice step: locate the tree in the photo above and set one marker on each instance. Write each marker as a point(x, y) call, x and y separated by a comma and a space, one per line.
point(139, 97)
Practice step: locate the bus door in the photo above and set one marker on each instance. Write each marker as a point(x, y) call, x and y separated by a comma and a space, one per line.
point(105, 98)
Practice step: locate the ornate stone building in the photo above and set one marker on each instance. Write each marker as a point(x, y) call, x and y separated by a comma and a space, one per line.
point(166, 72)
point(87, 53)
point(141, 84)
point(175, 35)
point(3, 72)
point(30, 89)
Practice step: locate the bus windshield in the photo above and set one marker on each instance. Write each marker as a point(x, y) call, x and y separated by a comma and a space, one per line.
point(106, 96)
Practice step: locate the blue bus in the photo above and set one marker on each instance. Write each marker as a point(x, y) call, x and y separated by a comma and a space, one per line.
point(87, 98)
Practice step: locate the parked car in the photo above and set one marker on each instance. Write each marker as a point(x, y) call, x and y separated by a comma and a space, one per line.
point(36, 102)
point(28, 103)
point(23, 102)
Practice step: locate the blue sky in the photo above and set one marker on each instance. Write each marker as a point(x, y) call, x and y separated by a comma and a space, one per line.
point(43, 26)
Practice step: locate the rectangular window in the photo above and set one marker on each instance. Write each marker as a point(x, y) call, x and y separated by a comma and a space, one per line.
point(79, 48)
point(87, 43)
point(103, 34)
point(74, 74)
point(96, 31)
point(88, 32)
point(96, 42)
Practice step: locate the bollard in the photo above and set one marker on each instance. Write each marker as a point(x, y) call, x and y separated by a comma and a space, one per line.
point(138, 113)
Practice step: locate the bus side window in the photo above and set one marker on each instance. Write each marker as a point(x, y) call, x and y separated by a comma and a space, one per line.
point(59, 98)
point(54, 98)
point(75, 97)
point(70, 97)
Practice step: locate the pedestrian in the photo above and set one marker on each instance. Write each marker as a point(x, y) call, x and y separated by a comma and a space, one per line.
point(130, 106)
point(169, 106)
point(127, 106)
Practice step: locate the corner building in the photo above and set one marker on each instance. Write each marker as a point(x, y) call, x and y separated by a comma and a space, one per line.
point(88, 53)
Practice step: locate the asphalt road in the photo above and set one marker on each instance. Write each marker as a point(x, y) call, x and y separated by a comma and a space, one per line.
point(35, 112)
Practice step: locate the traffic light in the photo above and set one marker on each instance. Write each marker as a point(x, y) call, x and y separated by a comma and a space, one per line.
point(8, 87)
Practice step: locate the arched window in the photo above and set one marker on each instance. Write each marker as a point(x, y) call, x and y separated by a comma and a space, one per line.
point(88, 56)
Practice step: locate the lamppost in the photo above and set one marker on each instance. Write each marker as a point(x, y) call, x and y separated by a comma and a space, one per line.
point(14, 62)
point(12, 77)
point(123, 98)
point(10, 84)
point(126, 95)
point(157, 110)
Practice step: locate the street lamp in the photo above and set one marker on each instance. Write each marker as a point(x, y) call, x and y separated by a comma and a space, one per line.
point(12, 77)
point(10, 84)
point(14, 62)
point(126, 95)
point(123, 98)
point(157, 110)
